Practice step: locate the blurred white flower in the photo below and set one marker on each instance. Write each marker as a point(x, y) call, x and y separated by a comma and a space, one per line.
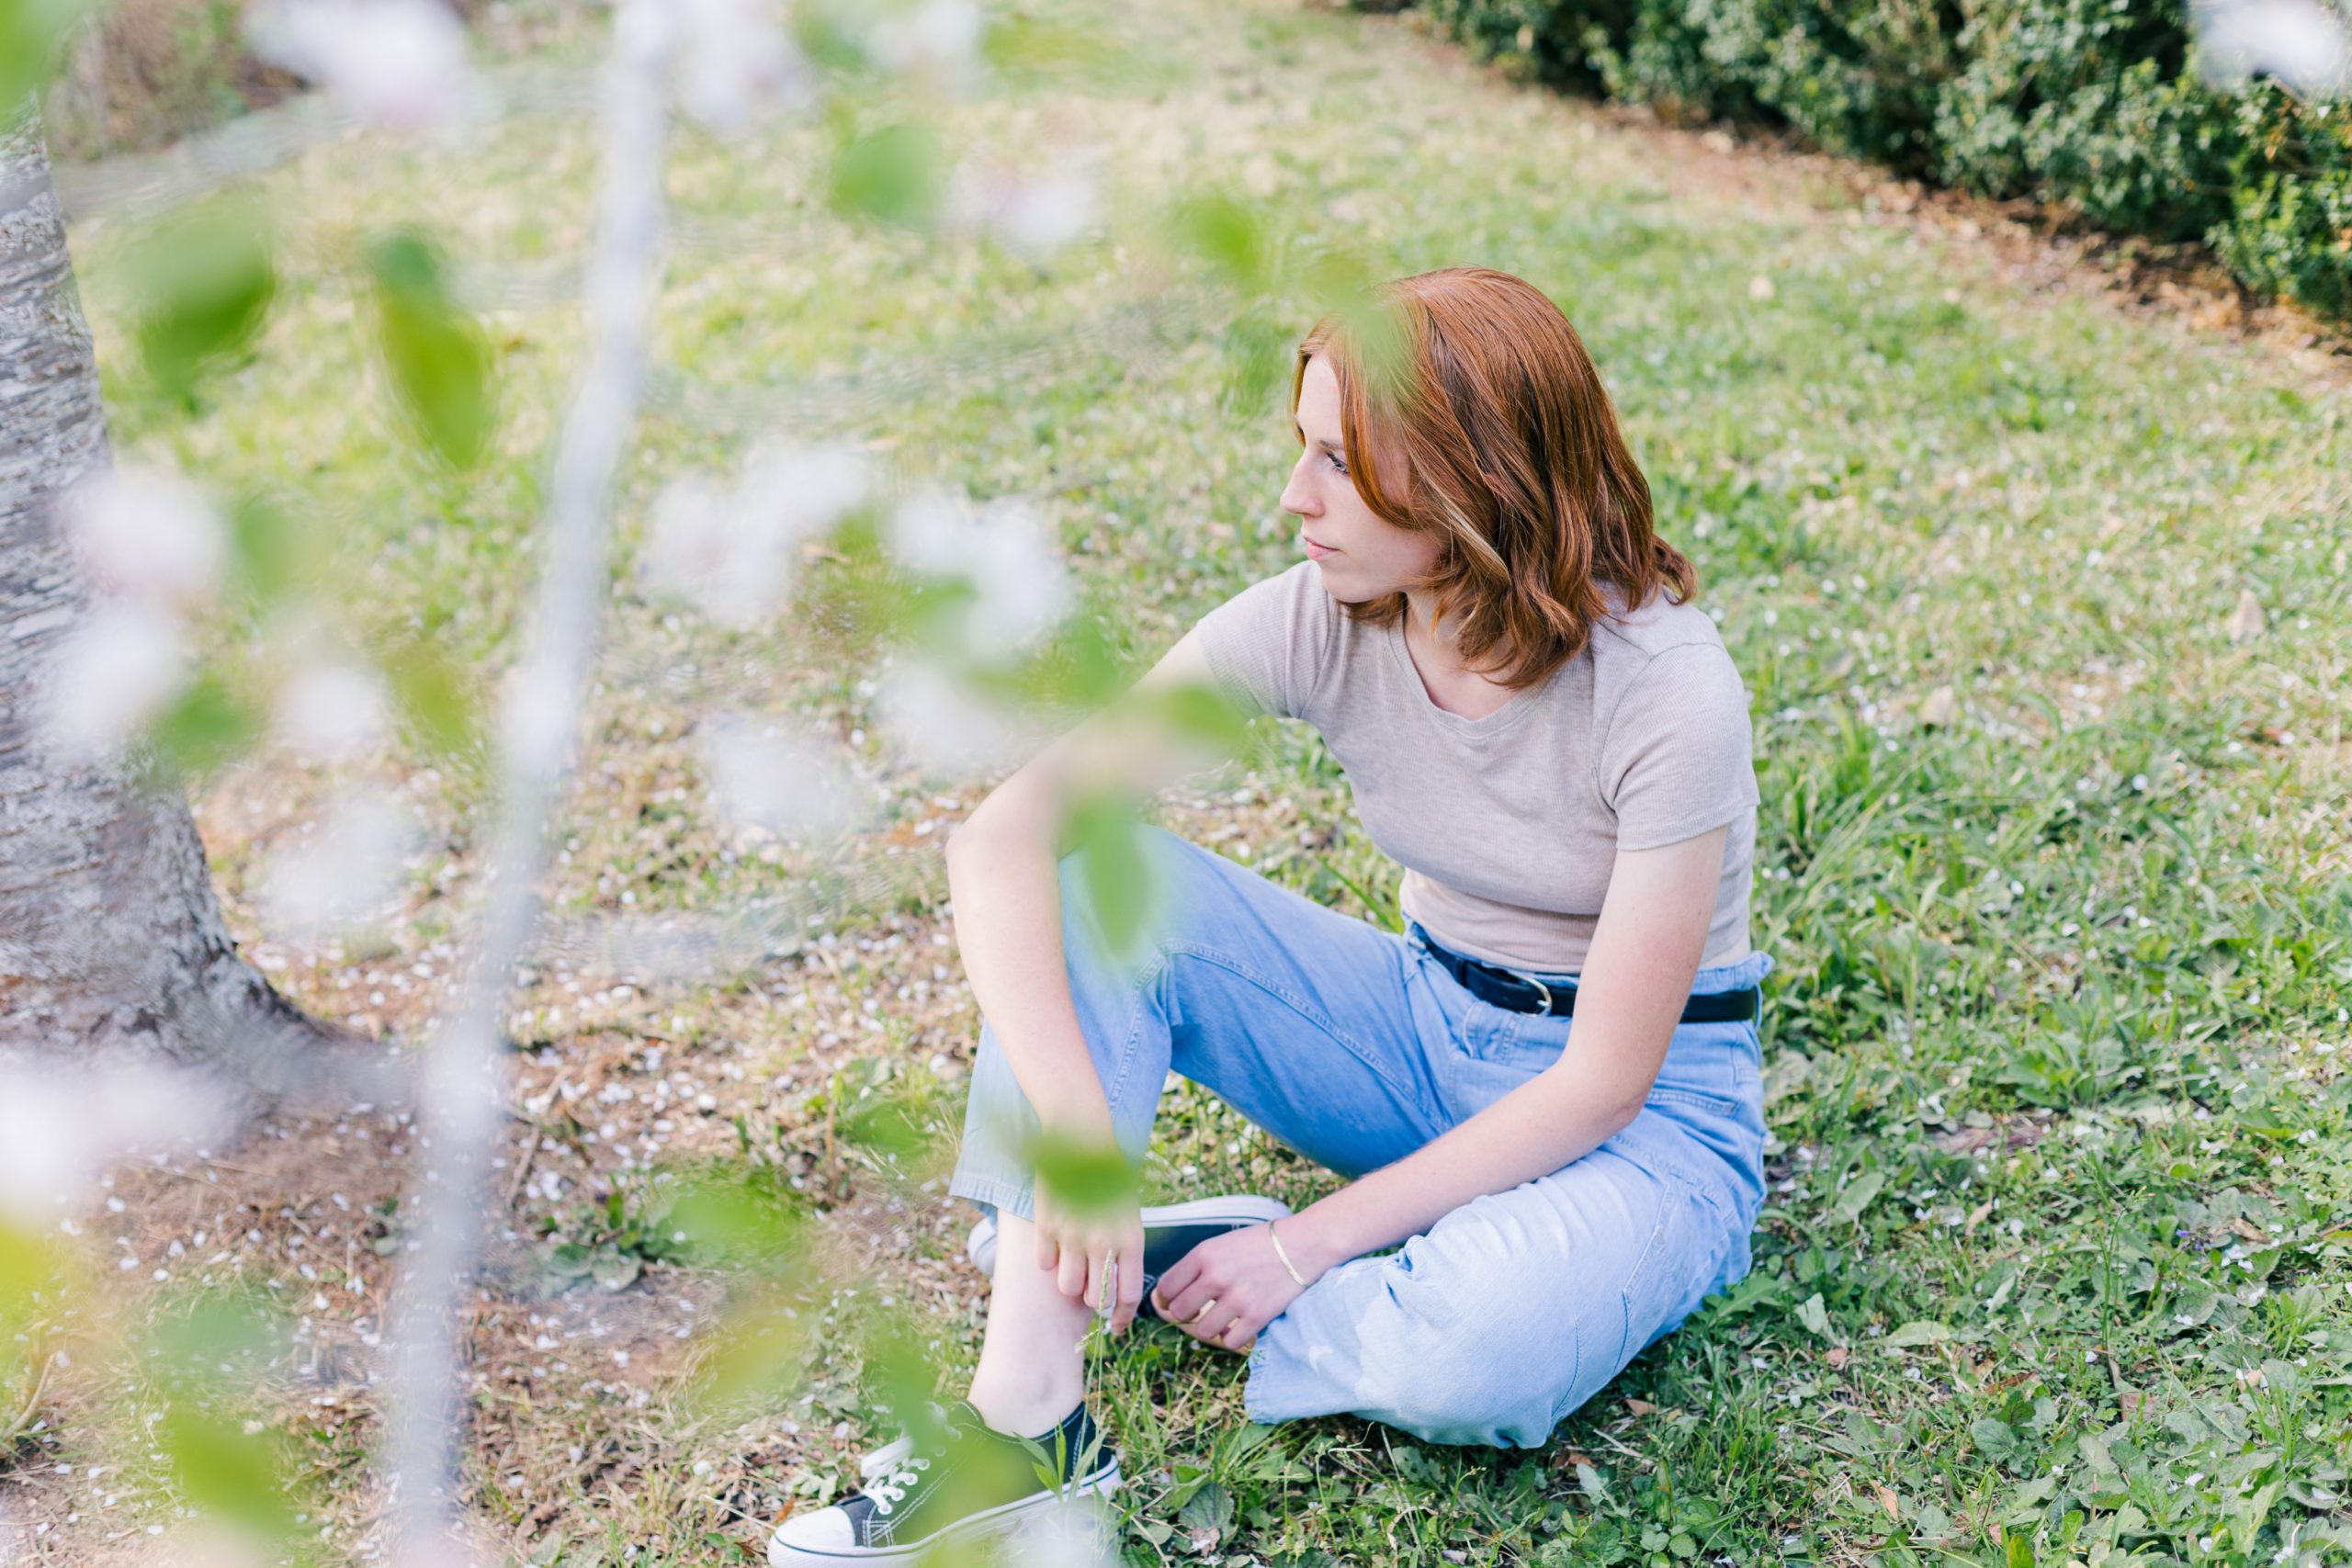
point(1036, 213)
point(2299, 42)
point(535, 718)
point(730, 551)
point(946, 724)
point(63, 1121)
point(401, 64)
point(148, 536)
point(940, 37)
point(736, 61)
point(769, 776)
point(342, 873)
point(118, 669)
point(1078, 1534)
point(1003, 552)
point(334, 711)
point(1049, 212)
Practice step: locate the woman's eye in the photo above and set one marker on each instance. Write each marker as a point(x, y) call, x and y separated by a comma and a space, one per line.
point(1338, 464)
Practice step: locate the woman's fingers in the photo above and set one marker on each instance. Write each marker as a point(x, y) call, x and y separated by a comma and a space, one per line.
point(1069, 1273)
point(1174, 1283)
point(1129, 1283)
point(1183, 1305)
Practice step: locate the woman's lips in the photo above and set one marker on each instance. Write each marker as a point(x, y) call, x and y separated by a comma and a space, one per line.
point(1315, 551)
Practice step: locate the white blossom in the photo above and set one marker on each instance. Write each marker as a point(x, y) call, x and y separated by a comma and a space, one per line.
point(342, 874)
point(1003, 552)
point(148, 536)
point(63, 1121)
point(2299, 42)
point(535, 717)
point(1035, 212)
point(401, 64)
point(730, 551)
point(118, 669)
point(736, 61)
point(334, 711)
point(1080, 1533)
point(937, 38)
point(769, 776)
point(948, 725)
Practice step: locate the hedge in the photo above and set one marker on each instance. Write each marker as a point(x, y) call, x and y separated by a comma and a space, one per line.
point(2091, 106)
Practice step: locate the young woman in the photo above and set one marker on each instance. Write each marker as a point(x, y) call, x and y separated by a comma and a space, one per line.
point(1547, 1089)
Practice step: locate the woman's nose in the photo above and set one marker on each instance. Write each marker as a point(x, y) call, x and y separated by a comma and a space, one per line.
point(1298, 496)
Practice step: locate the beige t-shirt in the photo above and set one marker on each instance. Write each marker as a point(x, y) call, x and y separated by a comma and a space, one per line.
point(1507, 826)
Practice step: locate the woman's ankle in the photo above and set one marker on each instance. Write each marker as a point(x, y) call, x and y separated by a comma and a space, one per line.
point(1023, 1411)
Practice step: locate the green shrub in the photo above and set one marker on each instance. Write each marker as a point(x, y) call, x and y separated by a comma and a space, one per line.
point(2089, 106)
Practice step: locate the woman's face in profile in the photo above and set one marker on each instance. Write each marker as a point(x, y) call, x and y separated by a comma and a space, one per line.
point(1363, 556)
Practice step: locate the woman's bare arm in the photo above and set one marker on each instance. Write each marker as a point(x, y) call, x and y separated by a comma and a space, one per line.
point(1645, 950)
point(1001, 877)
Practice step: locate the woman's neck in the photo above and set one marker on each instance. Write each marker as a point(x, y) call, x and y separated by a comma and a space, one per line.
point(1450, 683)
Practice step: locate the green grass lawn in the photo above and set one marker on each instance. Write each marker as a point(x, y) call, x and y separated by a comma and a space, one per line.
point(2053, 863)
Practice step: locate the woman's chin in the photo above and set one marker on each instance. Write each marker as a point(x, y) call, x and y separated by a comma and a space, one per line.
point(1348, 587)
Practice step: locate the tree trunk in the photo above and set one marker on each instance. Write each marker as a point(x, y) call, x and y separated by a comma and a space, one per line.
point(110, 930)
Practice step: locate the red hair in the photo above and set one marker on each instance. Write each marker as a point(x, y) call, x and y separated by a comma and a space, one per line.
point(1512, 456)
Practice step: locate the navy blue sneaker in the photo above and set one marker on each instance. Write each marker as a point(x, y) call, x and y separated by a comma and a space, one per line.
point(962, 1483)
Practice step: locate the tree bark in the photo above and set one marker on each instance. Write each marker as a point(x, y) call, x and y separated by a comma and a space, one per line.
point(109, 932)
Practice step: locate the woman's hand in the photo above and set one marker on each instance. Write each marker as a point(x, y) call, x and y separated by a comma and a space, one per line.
point(1226, 1290)
point(1080, 1247)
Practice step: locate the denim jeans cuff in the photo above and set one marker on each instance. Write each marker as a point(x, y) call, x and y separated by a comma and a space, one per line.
point(1017, 1199)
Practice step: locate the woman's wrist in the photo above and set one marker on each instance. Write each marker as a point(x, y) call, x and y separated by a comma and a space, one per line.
point(1309, 1243)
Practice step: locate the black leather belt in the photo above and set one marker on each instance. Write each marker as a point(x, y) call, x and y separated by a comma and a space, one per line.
point(1517, 992)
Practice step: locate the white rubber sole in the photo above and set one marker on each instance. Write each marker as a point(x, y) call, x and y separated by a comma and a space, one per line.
point(1250, 1208)
point(1037, 1510)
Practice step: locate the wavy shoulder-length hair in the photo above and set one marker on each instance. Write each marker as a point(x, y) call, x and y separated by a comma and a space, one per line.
point(1479, 394)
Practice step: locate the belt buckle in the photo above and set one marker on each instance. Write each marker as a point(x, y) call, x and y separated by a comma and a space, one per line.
point(1527, 979)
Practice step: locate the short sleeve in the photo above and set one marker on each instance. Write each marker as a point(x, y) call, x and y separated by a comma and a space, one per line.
point(1269, 645)
point(1678, 759)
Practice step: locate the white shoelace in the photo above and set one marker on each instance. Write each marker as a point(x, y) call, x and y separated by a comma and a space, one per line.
point(890, 1492)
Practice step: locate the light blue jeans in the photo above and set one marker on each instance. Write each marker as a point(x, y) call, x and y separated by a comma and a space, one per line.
point(1356, 1048)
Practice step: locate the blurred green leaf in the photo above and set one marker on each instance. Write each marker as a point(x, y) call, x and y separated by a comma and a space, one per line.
point(1257, 361)
point(32, 1280)
point(1082, 1176)
point(269, 552)
point(28, 33)
point(436, 699)
point(1228, 235)
point(893, 174)
point(208, 1355)
point(745, 1221)
point(1023, 43)
point(1118, 879)
point(209, 726)
point(1201, 712)
point(887, 1125)
point(235, 1476)
point(757, 1356)
point(203, 281)
point(437, 353)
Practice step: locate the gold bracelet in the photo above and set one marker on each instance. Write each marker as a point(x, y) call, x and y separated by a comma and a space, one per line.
point(1288, 1267)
